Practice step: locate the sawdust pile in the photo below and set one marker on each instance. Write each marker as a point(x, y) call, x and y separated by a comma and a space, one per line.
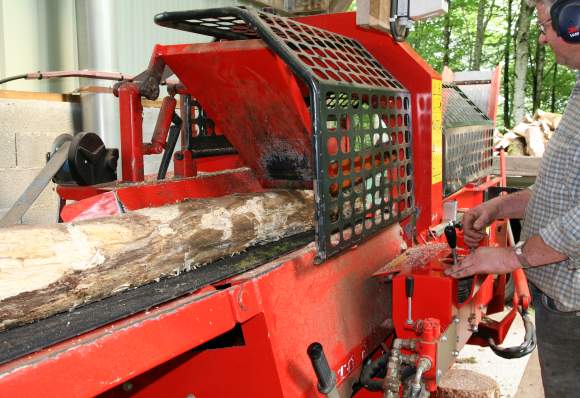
point(530, 136)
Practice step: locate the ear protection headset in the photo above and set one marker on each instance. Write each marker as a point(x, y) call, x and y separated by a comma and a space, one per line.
point(565, 16)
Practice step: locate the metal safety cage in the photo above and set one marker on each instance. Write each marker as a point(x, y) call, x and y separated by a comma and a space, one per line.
point(467, 140)
point(361, 120)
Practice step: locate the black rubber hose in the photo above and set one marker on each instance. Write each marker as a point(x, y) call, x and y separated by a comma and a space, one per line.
point(174, 131)
point(11, 78)
point(523, 349)
point(372, 369)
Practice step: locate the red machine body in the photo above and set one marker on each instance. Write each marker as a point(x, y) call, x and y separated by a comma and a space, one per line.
point(247, 335)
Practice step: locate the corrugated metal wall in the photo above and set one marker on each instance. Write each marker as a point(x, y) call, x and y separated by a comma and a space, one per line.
point(130, 26)
point(115, 35)
point(37, 35)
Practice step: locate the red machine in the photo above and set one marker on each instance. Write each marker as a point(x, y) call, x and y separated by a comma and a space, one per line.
point(309, 103)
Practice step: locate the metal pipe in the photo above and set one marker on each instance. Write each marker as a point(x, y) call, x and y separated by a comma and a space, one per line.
point(392, 381)
point(131, 117)
point(423, 366)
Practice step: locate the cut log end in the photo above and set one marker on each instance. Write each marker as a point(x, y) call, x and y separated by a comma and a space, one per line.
point(462, 383)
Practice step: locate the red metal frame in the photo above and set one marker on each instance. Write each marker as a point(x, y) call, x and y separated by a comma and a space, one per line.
point(266, 317)
point(131, 117)
point(281, 307)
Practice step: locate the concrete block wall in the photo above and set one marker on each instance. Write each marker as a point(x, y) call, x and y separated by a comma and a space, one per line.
point(27, 130)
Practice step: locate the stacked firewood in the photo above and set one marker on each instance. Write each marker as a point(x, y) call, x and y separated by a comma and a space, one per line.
point(530, 136)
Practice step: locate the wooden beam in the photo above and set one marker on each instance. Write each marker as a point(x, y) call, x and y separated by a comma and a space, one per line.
point(524, 166)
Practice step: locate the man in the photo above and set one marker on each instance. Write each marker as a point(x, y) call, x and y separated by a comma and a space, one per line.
point(549, 249)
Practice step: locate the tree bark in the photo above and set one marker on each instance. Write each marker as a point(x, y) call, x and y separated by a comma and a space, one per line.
point(45, 270)
point(506, 68)
point(475, 63)
point(447, 36)
point(553, 92)
point(540, 57)
point(521, 58)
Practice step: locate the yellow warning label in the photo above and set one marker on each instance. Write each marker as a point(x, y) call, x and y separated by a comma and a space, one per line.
point(436, 132)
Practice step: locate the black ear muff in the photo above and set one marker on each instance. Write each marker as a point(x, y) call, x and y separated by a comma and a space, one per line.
point(565, 16)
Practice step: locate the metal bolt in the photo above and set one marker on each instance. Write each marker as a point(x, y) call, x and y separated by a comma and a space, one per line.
point(439, 373)
point(127, 386)
point(443, 338)
point(455, 353)
point(455, 320)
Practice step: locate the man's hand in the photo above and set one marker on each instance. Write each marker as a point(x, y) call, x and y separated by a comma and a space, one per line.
point(486, 260)
point(476, 220)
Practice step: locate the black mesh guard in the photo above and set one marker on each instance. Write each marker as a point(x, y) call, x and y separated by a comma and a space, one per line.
point(467, 140)
point(361, 120)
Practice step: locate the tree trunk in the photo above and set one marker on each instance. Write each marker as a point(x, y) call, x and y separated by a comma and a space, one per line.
point(49, 269)
point(521, 58)
point(553, 93)
point(506, 67)
point(447, 36)
point(479, 37)
point(540, 57)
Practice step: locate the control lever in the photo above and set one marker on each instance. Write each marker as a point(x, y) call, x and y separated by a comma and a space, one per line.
point(451, 236)
point(409, 285)
point(326, 377)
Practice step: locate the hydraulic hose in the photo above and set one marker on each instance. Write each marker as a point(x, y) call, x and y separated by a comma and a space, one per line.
point(523, 349)
point(11, 78)
point(69, 73)
point(373, 369)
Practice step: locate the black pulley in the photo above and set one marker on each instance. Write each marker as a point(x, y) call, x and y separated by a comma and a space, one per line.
point(90, 162)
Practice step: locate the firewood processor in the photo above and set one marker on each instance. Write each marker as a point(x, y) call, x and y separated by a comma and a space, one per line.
point(358, 306)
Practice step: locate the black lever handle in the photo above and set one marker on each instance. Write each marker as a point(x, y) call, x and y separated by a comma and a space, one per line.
point(451, 236)
point(326, 378)
point(409, 285)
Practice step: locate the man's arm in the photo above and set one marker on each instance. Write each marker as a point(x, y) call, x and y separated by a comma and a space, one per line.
point(477, 219)
point(537, 252)
point(557, 241)
point(513, 205)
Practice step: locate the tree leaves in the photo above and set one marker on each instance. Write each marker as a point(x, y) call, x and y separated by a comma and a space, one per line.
point(552, 90)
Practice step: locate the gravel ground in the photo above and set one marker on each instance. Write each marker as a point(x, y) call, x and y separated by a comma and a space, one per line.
point(507, 372)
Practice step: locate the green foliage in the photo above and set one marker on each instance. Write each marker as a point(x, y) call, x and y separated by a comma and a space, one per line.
point(562, 85)
point(428, 40)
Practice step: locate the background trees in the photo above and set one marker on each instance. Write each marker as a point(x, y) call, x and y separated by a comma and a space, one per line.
point(478, 35)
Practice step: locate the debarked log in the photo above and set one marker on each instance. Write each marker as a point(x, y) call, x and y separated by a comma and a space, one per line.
point(49, 269)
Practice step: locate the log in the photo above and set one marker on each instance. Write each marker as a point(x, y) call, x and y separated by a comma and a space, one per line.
point(49, 269)
point(463, 383)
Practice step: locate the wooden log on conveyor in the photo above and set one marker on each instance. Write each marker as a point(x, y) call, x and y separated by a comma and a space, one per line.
point(49, 269)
